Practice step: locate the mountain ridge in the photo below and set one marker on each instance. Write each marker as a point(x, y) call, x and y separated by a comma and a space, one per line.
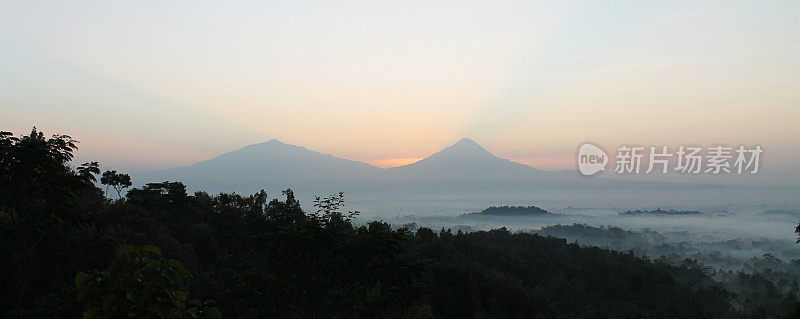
point(462, 143)
point(463, 167)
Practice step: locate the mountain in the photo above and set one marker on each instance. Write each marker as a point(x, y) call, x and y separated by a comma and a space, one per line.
point(464, 167)
point(464, 160)
point(274, 166)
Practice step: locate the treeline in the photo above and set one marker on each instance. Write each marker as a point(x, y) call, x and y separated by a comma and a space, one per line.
point(69, 251)
point(512, 211)
point(762, 285)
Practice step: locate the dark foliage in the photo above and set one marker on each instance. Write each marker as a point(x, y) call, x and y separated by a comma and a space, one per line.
point(513, 211)
point(117, 181)
point(70, 251)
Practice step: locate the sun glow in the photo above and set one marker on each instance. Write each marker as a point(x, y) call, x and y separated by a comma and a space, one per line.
point(394, 162)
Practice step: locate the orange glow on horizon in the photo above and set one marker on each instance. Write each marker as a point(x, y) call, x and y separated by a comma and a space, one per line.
point(394, 162)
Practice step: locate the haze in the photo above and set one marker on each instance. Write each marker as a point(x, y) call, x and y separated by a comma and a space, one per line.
point(147, 85)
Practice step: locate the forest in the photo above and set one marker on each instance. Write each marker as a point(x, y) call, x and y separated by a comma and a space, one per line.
point(761, 280)
point(513, 211)
point(81, 243)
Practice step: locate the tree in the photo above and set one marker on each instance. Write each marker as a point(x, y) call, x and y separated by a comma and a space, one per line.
point(38, 189)
point(140, 283)
point(327, 208)
point(118, 181)
point(87, 172)
point(793, 312)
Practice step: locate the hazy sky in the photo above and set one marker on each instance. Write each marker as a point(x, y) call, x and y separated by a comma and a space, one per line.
point(153, 84)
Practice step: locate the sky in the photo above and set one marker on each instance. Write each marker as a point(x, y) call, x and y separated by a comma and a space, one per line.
point(147, 85)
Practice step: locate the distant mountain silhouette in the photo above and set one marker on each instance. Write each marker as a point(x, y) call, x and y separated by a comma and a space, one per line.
point(463, 167)
point(271, 165)
point(510, 211)
point(464, 160)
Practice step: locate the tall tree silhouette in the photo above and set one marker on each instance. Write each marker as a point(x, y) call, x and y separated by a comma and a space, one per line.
point(115, 180)
point(37, 188)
